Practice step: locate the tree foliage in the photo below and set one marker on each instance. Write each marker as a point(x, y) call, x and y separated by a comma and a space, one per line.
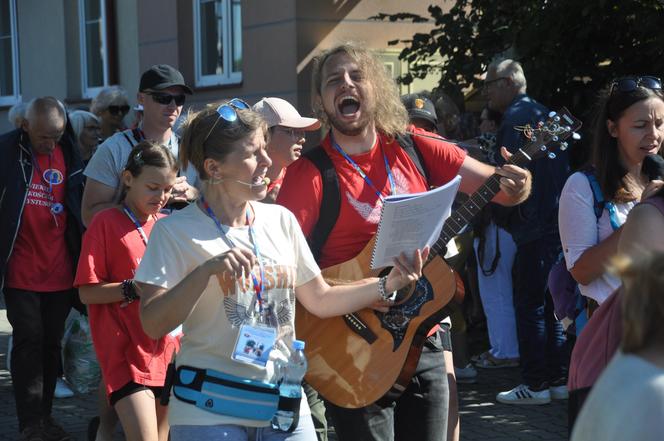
point(569, 48)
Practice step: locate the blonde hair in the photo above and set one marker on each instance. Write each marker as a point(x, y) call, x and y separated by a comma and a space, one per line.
point(643, 302)
point(206, 135)
point(390, 115)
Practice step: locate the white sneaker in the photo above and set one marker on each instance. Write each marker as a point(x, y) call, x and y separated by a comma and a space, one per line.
point(62, 390)
point(466, 374)
point(523, 395)
point(559, 392)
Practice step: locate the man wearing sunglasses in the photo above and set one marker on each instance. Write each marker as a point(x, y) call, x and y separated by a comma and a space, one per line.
point(162, 93)
point(287, 136)
point(534, 228)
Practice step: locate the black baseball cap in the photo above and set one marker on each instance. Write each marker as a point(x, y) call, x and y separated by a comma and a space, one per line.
point(162, 76)
point(419, 106)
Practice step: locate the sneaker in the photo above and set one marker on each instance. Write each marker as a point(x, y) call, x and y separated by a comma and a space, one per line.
point(522, 394)
point(559, 392)
point(62, 390)
point(33, 432)
point(488, 361)
point(53, 431)
point(93, 427)
point(466, 374)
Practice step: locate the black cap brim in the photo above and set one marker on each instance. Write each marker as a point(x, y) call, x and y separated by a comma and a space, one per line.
point(163, 86)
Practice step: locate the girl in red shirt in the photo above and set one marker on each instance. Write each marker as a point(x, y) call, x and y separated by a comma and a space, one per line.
point(133, 365)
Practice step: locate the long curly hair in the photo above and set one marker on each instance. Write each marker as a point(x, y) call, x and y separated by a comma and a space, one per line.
point(390, 116)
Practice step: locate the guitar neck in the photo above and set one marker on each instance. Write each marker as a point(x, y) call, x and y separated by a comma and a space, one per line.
point(462, 216)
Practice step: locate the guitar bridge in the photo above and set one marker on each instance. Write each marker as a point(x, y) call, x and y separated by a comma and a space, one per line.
point(360, 328)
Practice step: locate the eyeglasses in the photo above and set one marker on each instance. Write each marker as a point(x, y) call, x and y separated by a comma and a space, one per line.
point(165, 98)
point(295, 134)
point(630, 84)
point(489, 82)
point(228, 112)
point(117, 110)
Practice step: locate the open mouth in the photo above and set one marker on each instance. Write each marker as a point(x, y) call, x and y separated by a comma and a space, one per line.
point(348, 105)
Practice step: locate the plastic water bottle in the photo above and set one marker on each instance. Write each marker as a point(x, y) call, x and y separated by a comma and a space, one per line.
point(290, 390)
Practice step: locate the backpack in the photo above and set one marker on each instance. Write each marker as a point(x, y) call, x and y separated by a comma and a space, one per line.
point(331, 198)
point(568, 302)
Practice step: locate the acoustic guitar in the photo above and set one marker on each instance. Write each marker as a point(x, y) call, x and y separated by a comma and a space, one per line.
point(368, 356)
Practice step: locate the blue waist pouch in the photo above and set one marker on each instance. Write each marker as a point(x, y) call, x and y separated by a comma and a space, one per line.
point(226, 394)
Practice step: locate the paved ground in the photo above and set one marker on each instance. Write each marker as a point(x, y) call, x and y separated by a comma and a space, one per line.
point(481, 417)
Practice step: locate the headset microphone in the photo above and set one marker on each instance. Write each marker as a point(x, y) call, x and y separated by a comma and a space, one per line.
point(653, 166)
point(264, 182)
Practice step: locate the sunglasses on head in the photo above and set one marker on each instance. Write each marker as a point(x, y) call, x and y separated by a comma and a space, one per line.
point(117, 110)
point(166, 98)
point(630, 84)
point(228, 113)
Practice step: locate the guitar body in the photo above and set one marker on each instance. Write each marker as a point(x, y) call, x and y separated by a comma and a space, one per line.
point(352, 365)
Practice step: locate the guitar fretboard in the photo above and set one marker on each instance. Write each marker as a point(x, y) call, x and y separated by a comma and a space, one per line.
point(469, 209)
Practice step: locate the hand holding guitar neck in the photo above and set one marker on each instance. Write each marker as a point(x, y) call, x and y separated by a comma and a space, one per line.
point(514, 181)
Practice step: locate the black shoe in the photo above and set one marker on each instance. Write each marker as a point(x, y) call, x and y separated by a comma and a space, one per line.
point(33, 432)
point(53, 431)
point(93, 426)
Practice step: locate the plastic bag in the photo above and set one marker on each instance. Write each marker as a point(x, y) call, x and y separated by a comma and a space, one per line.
point(80, 364)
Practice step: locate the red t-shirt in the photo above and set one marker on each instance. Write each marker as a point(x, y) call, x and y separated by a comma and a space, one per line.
point(359, 214)
point(40, 260)
point(112, 249)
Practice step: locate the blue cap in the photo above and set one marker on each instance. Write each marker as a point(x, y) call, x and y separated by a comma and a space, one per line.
point(298, 345)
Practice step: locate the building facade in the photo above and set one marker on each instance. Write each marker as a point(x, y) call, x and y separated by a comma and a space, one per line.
point(70, 49)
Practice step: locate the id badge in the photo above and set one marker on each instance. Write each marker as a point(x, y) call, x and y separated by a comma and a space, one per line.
point(254, 343)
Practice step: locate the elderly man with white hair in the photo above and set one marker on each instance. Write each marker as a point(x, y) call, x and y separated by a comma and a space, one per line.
point(534, 228)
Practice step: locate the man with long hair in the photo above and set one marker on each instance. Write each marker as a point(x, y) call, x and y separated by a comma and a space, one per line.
point(353, 95)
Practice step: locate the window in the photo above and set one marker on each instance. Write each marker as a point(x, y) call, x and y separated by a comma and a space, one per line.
point(217, 42)
point(94, 53)
point(9, 79)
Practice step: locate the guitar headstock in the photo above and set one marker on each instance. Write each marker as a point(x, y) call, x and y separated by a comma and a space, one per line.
point(558, 127)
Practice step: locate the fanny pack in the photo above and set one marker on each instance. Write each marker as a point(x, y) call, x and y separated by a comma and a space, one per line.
point(226, 394)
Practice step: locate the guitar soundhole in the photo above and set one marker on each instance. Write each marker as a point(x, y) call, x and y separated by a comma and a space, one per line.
point(399, 316)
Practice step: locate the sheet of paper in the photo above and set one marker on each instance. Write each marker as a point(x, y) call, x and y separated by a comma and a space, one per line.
point(413, 221)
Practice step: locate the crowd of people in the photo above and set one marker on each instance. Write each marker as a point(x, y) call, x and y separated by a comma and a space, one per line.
point(180, 245)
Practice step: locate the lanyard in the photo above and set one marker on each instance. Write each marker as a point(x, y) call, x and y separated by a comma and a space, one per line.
point(613, 215)
point(133, 218)
point(362, 173)
point(258, 285)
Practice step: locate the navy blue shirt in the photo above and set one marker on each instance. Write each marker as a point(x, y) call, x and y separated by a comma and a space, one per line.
point(538, 215)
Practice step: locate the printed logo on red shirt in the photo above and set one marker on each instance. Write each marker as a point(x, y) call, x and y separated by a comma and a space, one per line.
point(370, 211)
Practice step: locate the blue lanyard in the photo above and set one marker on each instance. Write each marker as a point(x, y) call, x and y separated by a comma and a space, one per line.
point(362, 173)
point(130, 215)
point(258, 285)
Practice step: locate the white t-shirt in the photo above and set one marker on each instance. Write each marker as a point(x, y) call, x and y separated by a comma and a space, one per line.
point(110, 159)
point(580, 230)
point(626, 403)
point(181, 242)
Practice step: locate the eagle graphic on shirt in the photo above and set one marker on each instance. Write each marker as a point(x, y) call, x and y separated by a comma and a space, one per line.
point(370, 211)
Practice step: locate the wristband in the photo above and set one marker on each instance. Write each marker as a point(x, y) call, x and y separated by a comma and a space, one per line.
point(388, 297)
point(128, 292)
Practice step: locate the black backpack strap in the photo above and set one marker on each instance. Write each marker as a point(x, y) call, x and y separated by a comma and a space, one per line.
point(408, 144)
point(330, 203)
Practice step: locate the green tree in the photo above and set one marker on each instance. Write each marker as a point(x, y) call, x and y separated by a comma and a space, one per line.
point(569, 48)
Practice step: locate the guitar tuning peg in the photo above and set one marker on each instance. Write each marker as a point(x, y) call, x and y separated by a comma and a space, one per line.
point(533, 138)
point(576, 136)
point(543, 148)
point(556, 118)
point(554, 138)
point(552, 114)
point(563, 146)
point(551, 155)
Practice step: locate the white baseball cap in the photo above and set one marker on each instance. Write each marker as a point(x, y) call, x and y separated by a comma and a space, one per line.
point(279, 112)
